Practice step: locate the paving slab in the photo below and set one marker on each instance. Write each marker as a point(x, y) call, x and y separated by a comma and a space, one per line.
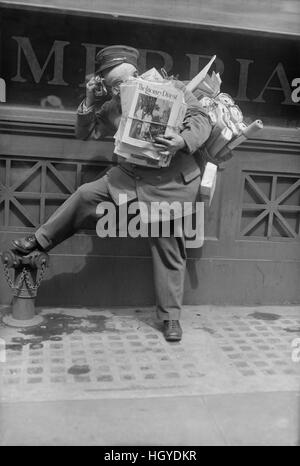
point(231, 362)
point(140, 422)
point(257, 419)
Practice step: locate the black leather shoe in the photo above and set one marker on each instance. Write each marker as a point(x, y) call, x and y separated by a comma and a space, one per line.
point(172, 330)
point(26, 245)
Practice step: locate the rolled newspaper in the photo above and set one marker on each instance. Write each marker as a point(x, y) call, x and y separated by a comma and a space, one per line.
point(236, 114)
point(248, 132)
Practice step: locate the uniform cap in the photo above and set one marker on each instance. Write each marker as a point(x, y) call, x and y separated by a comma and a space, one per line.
point(115, 55)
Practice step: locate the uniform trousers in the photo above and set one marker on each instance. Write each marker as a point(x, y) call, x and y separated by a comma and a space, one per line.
point(168, 253)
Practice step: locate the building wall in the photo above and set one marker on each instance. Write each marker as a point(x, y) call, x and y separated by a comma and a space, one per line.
point(251, 254)
point(277, 16)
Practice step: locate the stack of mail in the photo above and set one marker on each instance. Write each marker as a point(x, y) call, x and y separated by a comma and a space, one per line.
point(151, 107)
point(229, 129)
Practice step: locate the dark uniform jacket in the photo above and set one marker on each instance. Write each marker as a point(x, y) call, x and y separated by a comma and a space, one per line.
point(178, 182)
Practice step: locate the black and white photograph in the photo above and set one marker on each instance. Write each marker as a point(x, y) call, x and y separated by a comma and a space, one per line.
point(150, 226)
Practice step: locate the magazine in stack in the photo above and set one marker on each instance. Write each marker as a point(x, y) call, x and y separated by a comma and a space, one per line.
point(151, 107)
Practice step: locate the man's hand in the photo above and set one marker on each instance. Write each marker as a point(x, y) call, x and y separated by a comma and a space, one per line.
point(169, 145)
point(94, 89)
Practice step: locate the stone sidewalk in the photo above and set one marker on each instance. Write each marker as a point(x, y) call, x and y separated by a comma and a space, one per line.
point(107, 377)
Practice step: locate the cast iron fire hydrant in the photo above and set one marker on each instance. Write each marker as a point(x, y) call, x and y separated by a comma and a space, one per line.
point(29, 272)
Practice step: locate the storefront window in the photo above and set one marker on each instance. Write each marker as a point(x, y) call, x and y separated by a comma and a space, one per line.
point(46, 56)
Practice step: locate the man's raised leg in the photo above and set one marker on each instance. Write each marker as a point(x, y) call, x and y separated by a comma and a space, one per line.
point(76, 213)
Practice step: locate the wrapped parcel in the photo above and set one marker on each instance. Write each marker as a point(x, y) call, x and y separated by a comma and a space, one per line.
point(229, 129)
